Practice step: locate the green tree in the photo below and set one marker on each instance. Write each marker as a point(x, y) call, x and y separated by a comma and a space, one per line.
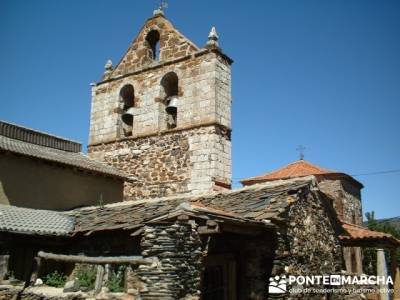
point(369, 261)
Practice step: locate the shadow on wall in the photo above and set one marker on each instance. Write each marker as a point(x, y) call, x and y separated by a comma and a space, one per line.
point(28, 183)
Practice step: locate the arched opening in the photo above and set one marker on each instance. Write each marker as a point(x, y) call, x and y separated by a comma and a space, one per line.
point(169, 84)
point(127, 95)
point(153, 40)
point(127, 99)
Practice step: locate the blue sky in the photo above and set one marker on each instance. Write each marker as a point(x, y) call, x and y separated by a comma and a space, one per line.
point(324, 74)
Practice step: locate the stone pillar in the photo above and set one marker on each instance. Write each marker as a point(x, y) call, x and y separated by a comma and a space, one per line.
point(395, 274)
point(381, 270)
point(176, 250)
point(3, 265)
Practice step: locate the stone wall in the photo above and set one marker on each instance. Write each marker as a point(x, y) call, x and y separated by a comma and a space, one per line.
point(167, 160)
point(180, 161)
point(173, 45)
point(204, 85)
point(348, 206)
point(307, 243)
point(177, 251)
point(347, 199)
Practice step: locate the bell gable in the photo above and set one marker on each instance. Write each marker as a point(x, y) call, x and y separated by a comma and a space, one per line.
point(158, 41)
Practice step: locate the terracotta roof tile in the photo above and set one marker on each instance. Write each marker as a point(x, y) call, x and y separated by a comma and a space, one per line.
point(359, 233)
point(298, 168)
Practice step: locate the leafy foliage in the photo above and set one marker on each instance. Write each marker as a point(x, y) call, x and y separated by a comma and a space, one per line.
point(87, 277)
point(369, 261)
point(55, 279)
point(116, 280)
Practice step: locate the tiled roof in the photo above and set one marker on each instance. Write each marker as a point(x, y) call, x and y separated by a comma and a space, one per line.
point(199, 211)
point(356, 233)
point(71, 159)
point(35, 221)
point(300, 168)
point(33, 136)
point(254, 204)
point(259, 202)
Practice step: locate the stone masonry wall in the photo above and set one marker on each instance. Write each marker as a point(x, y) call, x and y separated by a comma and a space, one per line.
point(307, 244)
point(349, 196)
point(189, 157)
point(188, 161)
point(204, 97)
point(349, 207)
point(177, 250)
point(139, 55)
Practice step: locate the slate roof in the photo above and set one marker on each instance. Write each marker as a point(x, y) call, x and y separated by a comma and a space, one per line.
point(257, 202)
point(300, 168)
point(356, 233)
point(66, 158)
point(35, 221)
point(37, 137)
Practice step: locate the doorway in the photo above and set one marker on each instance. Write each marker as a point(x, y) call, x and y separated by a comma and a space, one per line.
point(219, 278)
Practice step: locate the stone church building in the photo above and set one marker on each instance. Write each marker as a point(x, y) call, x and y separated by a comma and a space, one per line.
point(153, 196)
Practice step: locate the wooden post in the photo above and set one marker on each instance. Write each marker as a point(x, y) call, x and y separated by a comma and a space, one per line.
point(4, 265)
point(37, 261)
point(107, 271)
point(395, 274)
point(99, 279)
point(381, 270)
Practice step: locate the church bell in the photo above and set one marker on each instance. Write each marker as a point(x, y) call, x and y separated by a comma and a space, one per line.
point(127, 116)
point(172, 106)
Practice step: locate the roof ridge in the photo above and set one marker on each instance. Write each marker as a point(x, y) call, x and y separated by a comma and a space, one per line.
point(291, 170)
point(199, 197)
point(6, 206)
point(79, 160)
point(36, 137)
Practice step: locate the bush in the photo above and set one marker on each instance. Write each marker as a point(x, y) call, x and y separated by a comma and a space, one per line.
point(115, 282)
point(87, 277)
point(55, 279)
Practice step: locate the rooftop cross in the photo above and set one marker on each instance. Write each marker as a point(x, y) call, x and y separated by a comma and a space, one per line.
point(301, 149)
point(163, 5)
point(160, 9)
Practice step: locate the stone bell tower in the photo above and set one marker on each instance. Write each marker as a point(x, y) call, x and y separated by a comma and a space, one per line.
point(163, 114)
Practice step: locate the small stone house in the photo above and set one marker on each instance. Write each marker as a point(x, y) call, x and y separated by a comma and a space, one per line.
point(342, 188)
point(152, 205)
